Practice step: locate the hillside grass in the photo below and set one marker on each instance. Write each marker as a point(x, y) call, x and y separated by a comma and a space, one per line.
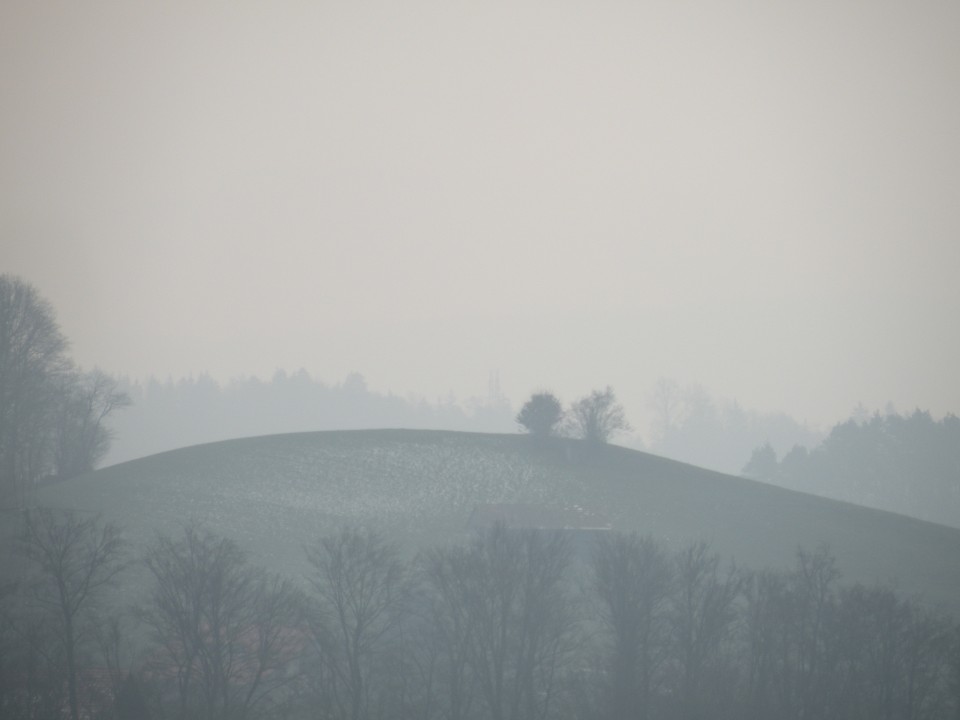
point(274, 494)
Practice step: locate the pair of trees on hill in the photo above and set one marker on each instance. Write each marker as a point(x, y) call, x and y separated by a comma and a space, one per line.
point(53, 416)
point(594, 418)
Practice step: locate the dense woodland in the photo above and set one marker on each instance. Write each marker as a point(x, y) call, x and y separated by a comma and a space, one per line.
point(903, 463)
point(508, 624)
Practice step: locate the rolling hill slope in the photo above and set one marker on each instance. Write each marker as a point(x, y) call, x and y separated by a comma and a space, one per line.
point(275, 493)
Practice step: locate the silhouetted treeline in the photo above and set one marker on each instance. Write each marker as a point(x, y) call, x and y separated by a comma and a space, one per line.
point(172, 414)
point(903, 463)
point(507, 625)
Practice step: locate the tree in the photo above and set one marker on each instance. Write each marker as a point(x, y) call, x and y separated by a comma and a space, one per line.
point(52, 416)
point(360, 587)
point(73, 559)
point(702, 617)
point(504, 603)
point(447, 572)
point(31, 660)
point(33, 363)
point(891, 653)
point(769, 645)
point(541, 414)
point(632, 578)
point(596, 417)
point(81, 435)
point(762, 464)
point(813, 587)
point(867, 461)
point(225, 627)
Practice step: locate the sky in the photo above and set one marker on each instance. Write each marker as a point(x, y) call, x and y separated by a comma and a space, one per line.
point(763, 198)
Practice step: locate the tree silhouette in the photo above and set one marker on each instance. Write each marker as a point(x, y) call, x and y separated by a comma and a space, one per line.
point(632, 578)
point(360, 585)
point(596, 417)
point(73, 559)
point(541, 415)
point(32, 363)
point(222, 624)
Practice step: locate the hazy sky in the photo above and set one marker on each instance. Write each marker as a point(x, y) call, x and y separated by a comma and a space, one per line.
point(763, 197)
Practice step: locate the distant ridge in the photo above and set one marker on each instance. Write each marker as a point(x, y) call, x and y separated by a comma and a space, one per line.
point(274, 493)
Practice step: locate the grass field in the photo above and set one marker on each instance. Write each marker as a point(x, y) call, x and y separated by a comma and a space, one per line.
point(273, 494)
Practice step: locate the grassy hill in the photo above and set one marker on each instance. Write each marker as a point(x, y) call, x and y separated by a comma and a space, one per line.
point(275, 493)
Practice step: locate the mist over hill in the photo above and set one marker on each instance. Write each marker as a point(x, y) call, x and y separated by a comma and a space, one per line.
point(686, 423)
point(906, 466)
point(692, 424)
point(170, 414)
point(903, 463)
point(273, 494)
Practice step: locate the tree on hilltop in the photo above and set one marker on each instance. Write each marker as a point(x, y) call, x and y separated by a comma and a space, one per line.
point(596, 417)
point(541, 415)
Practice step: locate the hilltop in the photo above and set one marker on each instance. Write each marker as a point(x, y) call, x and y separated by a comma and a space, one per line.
point(275, 493)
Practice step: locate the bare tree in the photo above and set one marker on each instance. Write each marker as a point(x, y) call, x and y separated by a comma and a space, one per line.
point(32, 363)
point(597, 417)
point(72, 561)
point(511, 620)
point(769, 646)
point(890, 657)
point(34, 669)
point(82, 437)
point(813, 585)
point(227, 630)
point(447, 573)
point(541, 414)
point(632, 577)
point(360, 586)
point(703, 612)
point(52, 418)
point(32, 666)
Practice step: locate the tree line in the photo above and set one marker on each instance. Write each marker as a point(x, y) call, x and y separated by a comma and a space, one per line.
point(53, 415)
point(903, 463)
point(507, 625)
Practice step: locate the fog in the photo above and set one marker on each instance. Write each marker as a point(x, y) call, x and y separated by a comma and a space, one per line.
point(760, 200)
point(723, 233)
point(687, 423)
